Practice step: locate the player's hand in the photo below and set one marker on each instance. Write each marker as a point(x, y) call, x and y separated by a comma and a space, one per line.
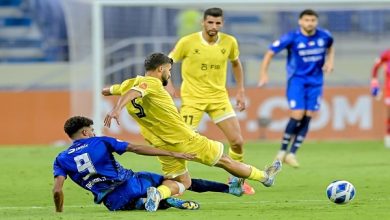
point(185, 156)
point(263, 80)
point(328, 67)
point(240, 97)
point(375, 89)
point(114, 114)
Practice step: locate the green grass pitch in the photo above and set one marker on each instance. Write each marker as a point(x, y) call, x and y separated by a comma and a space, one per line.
point(26, 183)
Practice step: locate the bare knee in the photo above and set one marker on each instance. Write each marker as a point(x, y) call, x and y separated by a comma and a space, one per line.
point(237, 141)
point(184, 179)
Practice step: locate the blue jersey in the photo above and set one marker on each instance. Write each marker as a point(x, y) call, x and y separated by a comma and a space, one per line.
point(90, 163)
point(305, 54)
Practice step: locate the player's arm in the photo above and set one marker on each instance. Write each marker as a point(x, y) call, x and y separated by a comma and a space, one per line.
point(171, 88)
point(378, 63)
point(176, 56)
point(122, 102)
point(263, 74)
point(106, 91)
point(239, 76)
point(151, 151)
point(329, 64)
point(374, 85)
point(111, 90)
point(58, 194)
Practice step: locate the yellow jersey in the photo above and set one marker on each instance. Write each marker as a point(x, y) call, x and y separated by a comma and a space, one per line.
point(204, 66)
point(155, 111)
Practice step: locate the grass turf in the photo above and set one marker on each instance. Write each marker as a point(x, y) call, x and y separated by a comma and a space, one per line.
point(26, 183)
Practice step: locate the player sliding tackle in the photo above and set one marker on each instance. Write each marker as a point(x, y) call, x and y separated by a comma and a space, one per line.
point(152, 107)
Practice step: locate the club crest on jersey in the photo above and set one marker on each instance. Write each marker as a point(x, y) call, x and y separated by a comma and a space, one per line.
point(311, 43)
point(143, 85)
point(320, 42)
point(223, 51)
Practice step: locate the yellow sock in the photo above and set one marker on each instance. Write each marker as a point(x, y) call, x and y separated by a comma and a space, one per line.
point(256, 174)
point(236, 156)
point(164, 191)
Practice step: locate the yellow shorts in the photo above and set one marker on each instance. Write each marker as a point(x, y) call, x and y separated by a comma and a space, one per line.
point(192, 113)
point(207, 152)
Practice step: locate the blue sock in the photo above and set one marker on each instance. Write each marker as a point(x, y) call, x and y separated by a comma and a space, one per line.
point(290, 131)
point(200, 185)
point(301, 134)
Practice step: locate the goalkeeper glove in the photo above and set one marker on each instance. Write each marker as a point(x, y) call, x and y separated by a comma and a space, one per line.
point(375, 90)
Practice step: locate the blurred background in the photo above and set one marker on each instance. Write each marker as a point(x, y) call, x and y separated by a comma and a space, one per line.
point(56, 54)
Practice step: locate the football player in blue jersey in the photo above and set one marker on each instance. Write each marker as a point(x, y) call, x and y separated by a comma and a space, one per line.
point(90, 163)
point(310, 53)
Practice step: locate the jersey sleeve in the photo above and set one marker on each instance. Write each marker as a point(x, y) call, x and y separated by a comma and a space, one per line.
point(115, 145)
point(119, 89)
point(235, 52)
point(115, 89)
point(145, 86)
point(282, 43)
point(330, 41)
point(178, 52)
point(57, 169)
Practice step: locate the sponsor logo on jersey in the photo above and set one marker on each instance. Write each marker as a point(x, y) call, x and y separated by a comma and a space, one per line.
point(72, 150)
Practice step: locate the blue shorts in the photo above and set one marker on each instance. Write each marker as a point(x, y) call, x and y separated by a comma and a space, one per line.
point(302, 95)
point(125, 195)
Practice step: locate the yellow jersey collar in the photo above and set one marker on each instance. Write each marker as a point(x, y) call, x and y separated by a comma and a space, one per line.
point(207, 43)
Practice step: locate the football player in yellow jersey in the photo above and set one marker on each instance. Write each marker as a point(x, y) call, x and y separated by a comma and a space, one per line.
point(152, 107)
point(204, 57)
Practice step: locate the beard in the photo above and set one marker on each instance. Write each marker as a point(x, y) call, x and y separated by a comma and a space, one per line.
point(212, 33)
point(164, 82)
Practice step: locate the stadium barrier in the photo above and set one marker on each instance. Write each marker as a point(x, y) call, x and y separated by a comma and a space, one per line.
point(37, 117)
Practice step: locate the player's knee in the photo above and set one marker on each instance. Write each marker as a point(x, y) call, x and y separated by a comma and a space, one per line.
point(297, 114)
point(236, 142)
point(185, 180)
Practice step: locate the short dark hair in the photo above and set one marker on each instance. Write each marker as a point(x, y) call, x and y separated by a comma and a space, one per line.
point(155, 60)
point(214, 12)
point(75, 123)
point(308, 12)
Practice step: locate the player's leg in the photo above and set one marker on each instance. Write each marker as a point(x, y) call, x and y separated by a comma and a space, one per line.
point(210, 153)
point(124, 196)
point(167, 188)
point(387, 103)
point(223, 115)
point(225, 118)
point(312, 104)
point(295, 99)
point(234, 186)
point(239, 169)
point(158, 193)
